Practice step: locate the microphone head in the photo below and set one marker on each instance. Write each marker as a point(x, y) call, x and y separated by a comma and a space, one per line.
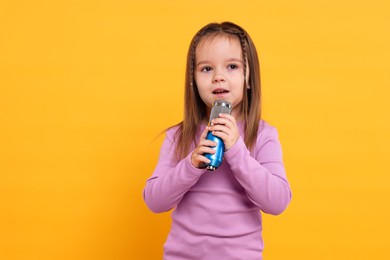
point(220, 107)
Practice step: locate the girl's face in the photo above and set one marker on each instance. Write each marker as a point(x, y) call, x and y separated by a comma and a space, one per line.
point(219, 71)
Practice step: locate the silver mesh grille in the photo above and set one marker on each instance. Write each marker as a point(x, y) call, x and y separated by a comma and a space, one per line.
point(220, 107)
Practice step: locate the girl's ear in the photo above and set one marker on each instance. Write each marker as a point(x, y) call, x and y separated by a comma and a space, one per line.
point(248, 87)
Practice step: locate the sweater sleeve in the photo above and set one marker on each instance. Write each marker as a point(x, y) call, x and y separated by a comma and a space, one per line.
point(262, 175)
point(170, 179)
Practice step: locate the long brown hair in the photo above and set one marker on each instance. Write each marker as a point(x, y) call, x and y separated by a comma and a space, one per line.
point(195, 108)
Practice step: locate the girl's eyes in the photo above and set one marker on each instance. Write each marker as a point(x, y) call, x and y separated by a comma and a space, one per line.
point(230, 67)
point(206, 69)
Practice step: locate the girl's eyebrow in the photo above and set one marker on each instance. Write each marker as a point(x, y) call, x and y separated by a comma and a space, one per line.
point(228, 60)
point(235, 60)
point(202, 62)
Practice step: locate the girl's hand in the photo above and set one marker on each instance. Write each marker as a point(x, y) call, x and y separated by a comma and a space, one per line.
point(198, 159)
point(225, 127)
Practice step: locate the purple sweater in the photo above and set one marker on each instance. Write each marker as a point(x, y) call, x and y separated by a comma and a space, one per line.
point(217, 214)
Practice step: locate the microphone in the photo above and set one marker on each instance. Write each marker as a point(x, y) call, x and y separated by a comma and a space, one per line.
point(219, 107)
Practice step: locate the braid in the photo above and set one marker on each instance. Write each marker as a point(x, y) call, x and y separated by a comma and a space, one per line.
point(247, 99)
point(244, 54)
point(192, 56)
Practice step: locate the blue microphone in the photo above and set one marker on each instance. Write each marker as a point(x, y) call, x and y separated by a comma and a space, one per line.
point(219, 107)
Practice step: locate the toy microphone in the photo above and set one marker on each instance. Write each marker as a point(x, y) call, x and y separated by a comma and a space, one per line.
point(224, 107)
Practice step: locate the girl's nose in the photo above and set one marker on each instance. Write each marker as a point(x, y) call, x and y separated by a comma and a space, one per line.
point(218, 77)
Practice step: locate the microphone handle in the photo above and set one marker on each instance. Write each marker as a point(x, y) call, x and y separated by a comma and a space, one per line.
point(216, 158)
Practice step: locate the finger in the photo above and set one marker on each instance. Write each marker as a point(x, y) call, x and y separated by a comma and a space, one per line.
point(207, 148)
point(220, 128)
point(204, 133)
point(198, 160)
point(221, 134)
point(227, 116)
point(201, 157)
point(223, 121)
point(207, 143)
point(231, 120)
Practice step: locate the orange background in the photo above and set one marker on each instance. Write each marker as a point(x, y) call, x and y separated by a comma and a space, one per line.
point(87, 86)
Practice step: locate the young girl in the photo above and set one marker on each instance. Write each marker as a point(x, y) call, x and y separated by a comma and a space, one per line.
point(217, 215)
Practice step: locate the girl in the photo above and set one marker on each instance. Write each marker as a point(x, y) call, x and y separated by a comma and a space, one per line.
point(218, 215)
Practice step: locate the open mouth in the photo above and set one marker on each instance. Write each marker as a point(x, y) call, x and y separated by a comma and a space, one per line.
point(220, 91)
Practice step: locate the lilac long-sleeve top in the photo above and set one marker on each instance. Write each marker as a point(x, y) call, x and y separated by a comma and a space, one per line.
point(217, 215)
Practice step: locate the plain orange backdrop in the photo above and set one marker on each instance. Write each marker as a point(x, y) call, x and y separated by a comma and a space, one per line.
point(87, 86)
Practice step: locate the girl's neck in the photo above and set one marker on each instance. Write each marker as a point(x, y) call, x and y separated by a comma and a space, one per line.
point(237, 114)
